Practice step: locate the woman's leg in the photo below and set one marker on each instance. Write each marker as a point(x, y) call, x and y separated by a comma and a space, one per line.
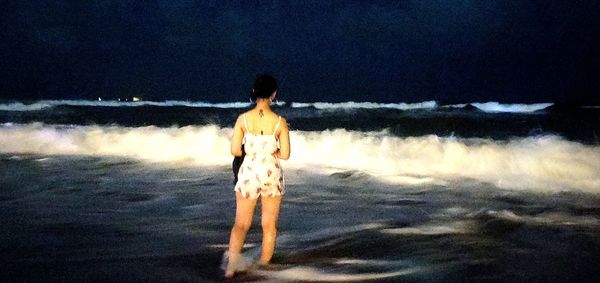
point(244, 211)
point(270, 215)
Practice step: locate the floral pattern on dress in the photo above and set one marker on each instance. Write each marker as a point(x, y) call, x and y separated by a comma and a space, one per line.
point(260, 173)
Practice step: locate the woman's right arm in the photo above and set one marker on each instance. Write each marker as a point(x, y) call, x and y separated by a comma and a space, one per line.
point(238, 136)
point(284, 141)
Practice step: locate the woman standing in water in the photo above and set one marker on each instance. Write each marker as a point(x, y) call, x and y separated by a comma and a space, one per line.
point(266, 140)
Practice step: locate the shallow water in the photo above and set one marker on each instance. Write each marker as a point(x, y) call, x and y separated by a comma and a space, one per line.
point(86, 218)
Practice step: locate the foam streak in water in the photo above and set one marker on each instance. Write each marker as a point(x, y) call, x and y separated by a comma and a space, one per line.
point(367, 105)
point(312, 274)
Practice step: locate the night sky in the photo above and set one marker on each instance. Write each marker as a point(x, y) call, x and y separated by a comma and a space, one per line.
point(382, 51)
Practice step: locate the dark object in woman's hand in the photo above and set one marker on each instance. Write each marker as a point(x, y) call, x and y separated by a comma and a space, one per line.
point(236, 164)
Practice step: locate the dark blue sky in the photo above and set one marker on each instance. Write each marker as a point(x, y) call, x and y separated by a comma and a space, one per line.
point(388, 51)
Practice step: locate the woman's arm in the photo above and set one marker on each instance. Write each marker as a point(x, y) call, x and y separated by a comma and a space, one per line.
point(284, 141)
point(238, 136)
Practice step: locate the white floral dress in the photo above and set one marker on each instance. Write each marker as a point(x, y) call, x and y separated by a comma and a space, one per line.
point(260, 173)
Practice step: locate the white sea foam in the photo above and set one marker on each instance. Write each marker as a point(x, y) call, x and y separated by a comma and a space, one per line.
point(243, 262)
point(304, 273)
point(459, 227)
point(43, 104)
point(289, 240)
point(462, 105)
point(207, 145)
point(494, 107)
point(547, 218)
point(18, 106)
point(367, 105)
point(225, 246)
point(370, 262)
point(545, 163)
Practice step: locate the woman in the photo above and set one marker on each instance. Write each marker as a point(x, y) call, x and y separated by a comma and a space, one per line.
point(266, 140)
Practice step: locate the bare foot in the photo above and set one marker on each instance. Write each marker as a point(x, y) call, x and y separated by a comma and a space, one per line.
point(231, 264)
point(263, 263)
point(229, 274)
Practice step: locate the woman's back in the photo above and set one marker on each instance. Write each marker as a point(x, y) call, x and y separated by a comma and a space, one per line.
point(261, 122)
point(260, 143)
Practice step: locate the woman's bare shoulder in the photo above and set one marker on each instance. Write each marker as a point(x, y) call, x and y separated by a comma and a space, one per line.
point(240, 119)
point(279, 117)
point(283, 125)
point(241, 116)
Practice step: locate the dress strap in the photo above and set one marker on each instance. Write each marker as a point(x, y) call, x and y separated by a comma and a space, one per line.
point(246, 124)
point(277, 126)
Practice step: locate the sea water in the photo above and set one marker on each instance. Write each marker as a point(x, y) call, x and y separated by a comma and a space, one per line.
point(111, 191)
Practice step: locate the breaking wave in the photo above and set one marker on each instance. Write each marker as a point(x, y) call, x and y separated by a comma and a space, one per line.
point(495, 107)
point(490, 107)
point(367, 105)
point(544, 163)
point(44, 104)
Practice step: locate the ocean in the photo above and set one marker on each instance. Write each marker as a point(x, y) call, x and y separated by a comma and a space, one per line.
point(110, 191)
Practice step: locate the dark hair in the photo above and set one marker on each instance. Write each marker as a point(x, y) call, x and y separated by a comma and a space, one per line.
point(264, 86)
